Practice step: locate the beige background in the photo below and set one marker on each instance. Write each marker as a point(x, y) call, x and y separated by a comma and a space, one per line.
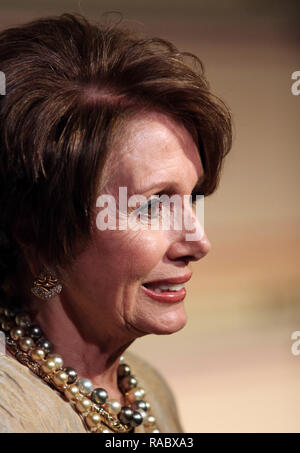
point(231, 368)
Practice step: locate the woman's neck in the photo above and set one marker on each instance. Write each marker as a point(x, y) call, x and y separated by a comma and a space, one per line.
point(94, 358)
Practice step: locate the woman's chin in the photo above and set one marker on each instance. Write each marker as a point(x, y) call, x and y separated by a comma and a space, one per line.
point(166, 323)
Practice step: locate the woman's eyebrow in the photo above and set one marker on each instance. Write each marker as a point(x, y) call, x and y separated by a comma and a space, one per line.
point(169, 185)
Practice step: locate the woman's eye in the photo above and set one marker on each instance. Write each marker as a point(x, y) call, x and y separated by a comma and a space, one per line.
point(152, 208)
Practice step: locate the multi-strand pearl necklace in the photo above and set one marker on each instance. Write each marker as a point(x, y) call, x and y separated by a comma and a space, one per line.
point(99, 413)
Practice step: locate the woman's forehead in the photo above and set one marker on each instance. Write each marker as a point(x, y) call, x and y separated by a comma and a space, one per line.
point(154, 142)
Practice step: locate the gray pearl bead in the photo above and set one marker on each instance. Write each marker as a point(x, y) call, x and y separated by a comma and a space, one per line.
point(71, 373)
point(140, 404)
point(123, 370)
point(126, 414)
point(127, 383)
point(45, 344)
point(85, 386)
point(99, 396)
point(137, 419)
point(35, 332)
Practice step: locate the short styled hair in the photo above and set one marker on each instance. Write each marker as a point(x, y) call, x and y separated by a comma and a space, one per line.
point(68, 84)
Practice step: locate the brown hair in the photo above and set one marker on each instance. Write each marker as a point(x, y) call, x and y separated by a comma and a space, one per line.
point(68, 82)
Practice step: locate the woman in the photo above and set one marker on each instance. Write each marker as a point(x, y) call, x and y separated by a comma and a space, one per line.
point(89, 110)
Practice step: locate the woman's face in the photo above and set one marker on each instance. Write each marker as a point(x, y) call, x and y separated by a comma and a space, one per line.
point(151, 154)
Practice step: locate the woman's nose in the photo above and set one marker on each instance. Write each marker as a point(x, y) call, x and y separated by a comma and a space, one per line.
point(203, 245)
point(191, 242)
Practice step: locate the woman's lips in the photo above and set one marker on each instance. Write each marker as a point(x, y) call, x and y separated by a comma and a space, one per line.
point(166, 296)
point(172, 280)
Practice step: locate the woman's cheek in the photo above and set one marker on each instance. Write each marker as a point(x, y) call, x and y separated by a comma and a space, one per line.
point(145, 250)
point(131, 253)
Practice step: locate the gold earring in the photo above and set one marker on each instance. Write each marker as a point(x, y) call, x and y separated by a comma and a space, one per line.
point(46, 285)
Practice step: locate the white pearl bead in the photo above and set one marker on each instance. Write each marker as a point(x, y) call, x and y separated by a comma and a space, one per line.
point(113, 406)
point(148, 406)
point(60, 378)
point(150, 420)
point(134, 395)
point(143, 392)
point(71, 392)
point(85, 386)
point(57, 359)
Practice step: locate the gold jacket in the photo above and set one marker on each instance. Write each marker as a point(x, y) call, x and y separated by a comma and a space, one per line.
point(29, 405)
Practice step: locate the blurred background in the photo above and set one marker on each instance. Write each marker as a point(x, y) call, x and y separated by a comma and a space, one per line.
point(231, 368)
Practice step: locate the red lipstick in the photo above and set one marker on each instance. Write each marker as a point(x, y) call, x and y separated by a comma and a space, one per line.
point(167, 296)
